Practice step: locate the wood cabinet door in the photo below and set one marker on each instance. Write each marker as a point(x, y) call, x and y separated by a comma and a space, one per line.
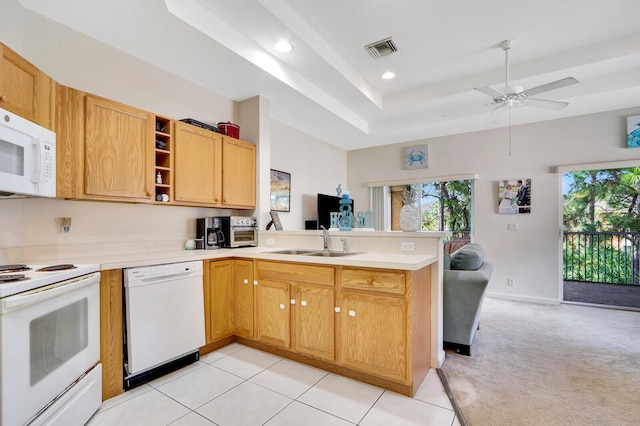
point(118, 151)
point(25, 90)
point(374, 334)
point(219, 299)
point(273, 313)
point(239, 173)
point(313, 324)
point(244, 298)
point(198, 165)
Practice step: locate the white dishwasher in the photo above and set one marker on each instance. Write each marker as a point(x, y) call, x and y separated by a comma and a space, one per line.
point(164, 319)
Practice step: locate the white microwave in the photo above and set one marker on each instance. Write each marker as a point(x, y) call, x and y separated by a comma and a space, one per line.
point(27, 157)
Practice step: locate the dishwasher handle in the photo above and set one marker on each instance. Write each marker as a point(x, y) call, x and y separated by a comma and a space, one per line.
point(138, 277)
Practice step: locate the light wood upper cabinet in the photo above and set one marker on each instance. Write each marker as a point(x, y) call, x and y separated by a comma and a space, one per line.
point(25, 90)
point(244, 288)
point(118, 150)
point(239, 173)
point(104, 149)
point(213, 170)
point(197, 164)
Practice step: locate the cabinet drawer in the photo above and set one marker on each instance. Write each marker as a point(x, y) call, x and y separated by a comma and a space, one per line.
point(296, 273)
point(371, 279)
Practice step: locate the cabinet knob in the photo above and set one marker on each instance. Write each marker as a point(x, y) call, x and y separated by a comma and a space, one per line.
point(292, 301)
point(255, 282)
point(282, 306)
point(369, 281)
point(337, 309)
point(3, 98)
point(246, 281)
point(303, 302)
point(352, 313)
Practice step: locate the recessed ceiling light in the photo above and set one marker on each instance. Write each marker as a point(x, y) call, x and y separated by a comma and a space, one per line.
point(388, 75)
point(283, 46)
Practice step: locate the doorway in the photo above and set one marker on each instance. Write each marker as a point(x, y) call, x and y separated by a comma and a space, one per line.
point(601, 237)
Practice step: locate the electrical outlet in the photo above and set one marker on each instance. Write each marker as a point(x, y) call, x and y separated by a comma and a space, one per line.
point(511, 282)
point(512, 226)
point(271, 242)
point(407, 246)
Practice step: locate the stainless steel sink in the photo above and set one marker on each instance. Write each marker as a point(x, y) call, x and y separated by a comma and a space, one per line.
point(333, 253)
point(293, 251)
point(320, 253)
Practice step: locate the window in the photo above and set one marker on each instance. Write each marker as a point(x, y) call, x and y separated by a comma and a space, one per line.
point(445, 205)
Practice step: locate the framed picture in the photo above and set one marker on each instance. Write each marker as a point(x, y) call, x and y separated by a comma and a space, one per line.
point(275, 221)
point(514, 196)
point(633, 131)
point(416, 157)
point(280, 191)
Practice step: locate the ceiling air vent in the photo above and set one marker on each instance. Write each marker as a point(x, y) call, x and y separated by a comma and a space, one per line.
point(381, 48)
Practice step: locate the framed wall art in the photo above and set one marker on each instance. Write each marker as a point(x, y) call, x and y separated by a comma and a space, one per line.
point(514, 196)
point(416, 157)
point(280, 191)
point(633, 131)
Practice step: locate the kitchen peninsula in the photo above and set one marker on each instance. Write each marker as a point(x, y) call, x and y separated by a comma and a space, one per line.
point(373, 316)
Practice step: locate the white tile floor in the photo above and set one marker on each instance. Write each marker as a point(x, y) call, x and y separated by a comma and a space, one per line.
point(238, 385)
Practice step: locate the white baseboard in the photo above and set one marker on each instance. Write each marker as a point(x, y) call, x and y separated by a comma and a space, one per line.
point(538, 300)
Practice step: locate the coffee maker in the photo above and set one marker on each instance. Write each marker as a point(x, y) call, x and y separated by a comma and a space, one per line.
point(209, 233)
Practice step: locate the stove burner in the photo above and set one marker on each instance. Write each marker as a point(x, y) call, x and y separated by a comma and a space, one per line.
point(12, 278)
point(13, 268)
point(62, 267)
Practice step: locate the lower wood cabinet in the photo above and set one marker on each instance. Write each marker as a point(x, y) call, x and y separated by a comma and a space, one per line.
point(374, 334)
point(313, 321)
point(295, 306)
point(245, 295)
point(111, 337)
point(369, 324)
point(219, 299)
point(273, 312)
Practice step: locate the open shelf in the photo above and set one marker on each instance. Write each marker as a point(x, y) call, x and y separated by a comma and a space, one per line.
point(163, 172)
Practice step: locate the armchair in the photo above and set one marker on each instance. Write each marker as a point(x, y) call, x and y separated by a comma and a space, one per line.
point(465, 280)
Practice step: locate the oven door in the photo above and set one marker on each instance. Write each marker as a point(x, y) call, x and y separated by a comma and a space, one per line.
point(50, 337)
point(243, 236)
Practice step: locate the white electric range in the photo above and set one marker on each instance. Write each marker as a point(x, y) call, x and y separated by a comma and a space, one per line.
point(49, 344)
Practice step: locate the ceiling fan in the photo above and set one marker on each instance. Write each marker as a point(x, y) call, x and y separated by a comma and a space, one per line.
point(515, 96)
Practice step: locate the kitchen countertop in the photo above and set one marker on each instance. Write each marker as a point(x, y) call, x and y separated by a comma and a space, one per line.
point(399, 261)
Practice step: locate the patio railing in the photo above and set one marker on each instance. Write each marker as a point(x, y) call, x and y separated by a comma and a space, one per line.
point(602, 257)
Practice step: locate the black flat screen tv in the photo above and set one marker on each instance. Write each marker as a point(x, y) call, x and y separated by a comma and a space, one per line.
point(326, 205)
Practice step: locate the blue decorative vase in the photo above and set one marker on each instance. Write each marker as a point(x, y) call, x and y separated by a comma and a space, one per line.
point(345, 209)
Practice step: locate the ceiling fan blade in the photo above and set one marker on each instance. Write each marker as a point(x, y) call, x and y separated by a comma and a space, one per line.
point(489, 91)
point(493, 117)
point(545, 103)
point(550, 86)
point(473, 110)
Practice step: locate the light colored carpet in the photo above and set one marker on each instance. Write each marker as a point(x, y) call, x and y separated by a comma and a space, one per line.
point(549, 365)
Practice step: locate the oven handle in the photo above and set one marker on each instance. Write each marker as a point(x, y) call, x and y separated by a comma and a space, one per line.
point(37, 295)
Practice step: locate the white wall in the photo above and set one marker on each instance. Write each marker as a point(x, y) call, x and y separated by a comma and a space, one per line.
point(532, 254)
point(315, 166)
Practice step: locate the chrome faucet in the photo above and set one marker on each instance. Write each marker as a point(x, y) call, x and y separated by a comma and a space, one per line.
point(345, 248)
point(325, 238)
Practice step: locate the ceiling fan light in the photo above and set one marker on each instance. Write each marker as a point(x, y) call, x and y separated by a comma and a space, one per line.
point(283, 46)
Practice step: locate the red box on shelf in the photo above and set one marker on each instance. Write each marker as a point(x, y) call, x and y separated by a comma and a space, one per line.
point(229, 129)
